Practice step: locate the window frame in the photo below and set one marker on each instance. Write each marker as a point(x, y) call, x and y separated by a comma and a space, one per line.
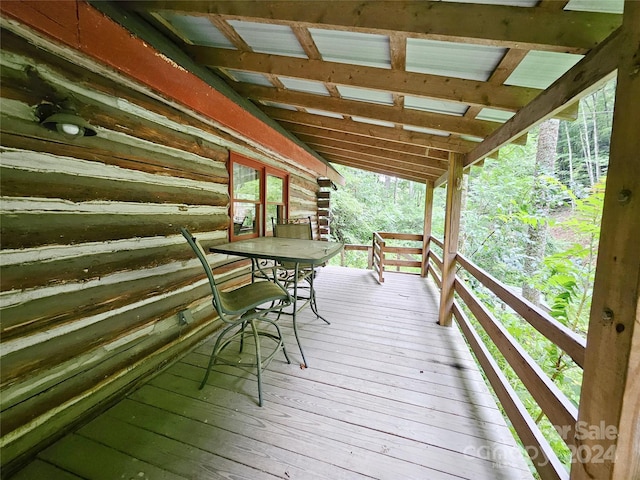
point(264, 171)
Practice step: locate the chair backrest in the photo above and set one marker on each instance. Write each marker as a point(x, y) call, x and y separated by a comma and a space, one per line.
point(199, 251)
point(302, 231)
point(237, 225)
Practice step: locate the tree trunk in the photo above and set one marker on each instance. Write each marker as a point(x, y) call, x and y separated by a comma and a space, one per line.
point(596, 147)
point(572, 185)
point(540, 201)
point(466, 183)
point(586, 148)
point(395, 191)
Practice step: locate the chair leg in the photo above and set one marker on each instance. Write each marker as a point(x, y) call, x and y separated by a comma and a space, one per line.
point(258, 360)
point(214, 354)
point(244, 325)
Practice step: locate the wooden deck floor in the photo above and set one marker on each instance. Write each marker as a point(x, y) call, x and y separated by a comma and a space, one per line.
point(388, 395)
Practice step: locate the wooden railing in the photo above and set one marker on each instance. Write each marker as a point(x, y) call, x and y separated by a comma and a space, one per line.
point(352, 247)
point(385, 256)
point(554, 404)
point(432, 257)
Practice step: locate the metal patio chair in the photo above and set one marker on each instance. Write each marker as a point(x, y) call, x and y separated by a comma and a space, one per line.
point(245, 306)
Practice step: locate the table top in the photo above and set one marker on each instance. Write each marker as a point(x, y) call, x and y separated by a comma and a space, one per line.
point(282, 249)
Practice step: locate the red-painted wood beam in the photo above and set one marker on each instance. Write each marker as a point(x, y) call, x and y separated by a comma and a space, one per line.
point(81, 27)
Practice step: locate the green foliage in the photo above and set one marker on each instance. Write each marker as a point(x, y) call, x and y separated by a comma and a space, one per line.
point(493, 228)
point(370, 202)
point(570, 272)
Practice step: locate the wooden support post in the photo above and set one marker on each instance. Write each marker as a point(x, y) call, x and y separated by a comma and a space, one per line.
point(426, 233)
point(608, 446)
point(451, 232)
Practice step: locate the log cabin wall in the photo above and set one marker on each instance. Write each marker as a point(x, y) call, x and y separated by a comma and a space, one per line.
point(94, 269)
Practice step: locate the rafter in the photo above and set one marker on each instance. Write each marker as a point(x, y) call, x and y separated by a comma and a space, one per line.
point(500, 25)
point(370, 163)
point(393, 114)
point(379, 170)
point(230, 33)
point(469, 92)
point(421, 159)
point(306, 40)
point(288, 118)
point(398, 51)
point(432, 165)
point(402, 147)
point(395, 161)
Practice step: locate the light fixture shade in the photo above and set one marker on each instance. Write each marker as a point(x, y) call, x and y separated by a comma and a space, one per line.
point(69, 125)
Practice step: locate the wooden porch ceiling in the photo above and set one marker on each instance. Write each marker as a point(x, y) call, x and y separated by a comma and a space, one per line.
point(389, 86)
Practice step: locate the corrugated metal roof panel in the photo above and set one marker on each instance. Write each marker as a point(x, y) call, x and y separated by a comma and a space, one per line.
point(198, 30)
point(278, 105)
point(365, 95)
point(247, 77)
point(602, 6)
point(436, 106)
point(472, 62)
point(269, 38)
point(511, 3)
point(414, 128)
point(356, 48)
point(493, 115)
point(371, 121)
point(471, 139)
point(308, 86)
point(540, 69)
point(324, 113)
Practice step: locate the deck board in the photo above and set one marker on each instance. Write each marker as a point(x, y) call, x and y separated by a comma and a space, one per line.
point(388, 395)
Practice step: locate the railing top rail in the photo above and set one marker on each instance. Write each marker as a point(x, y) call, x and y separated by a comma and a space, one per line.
point(356, 246)
point(437, 242)
point(400, 236)
point(569, 341)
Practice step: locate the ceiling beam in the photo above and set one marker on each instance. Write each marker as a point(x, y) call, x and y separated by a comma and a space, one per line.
point(320, 133)
point(289, 117)
point(387, 113)
point(497, 25)
point(379, 170)
point(469, 92)
point(378, 165)
point(587, 75)
point(406, 165)
point(433, 166)
point(421, 160)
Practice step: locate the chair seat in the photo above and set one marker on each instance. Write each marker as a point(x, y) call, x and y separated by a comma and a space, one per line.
point(251, 296)
point(287, 271)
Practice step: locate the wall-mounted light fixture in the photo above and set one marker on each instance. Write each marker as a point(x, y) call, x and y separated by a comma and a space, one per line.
point(63, 121)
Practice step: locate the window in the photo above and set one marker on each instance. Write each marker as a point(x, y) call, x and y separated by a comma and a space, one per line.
point(259, 193)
